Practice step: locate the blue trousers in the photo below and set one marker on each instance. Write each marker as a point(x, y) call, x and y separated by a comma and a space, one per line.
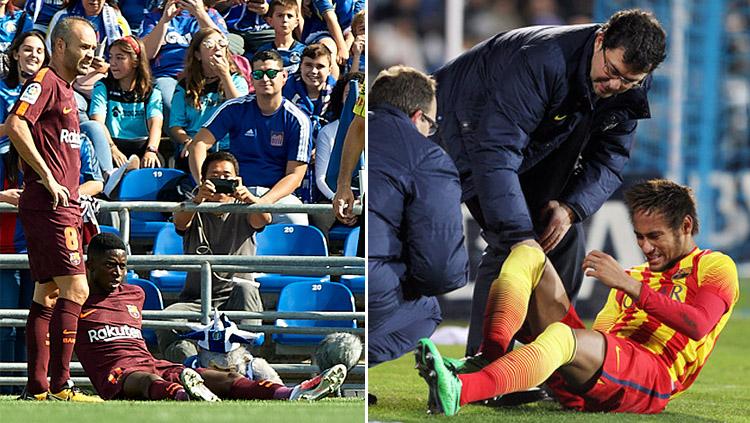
point(394, 334)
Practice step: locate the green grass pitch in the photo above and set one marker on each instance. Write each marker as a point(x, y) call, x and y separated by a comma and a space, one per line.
point(721, 393)
point(332, 410)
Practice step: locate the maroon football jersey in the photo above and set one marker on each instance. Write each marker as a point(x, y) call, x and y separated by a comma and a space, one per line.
point(109, 334)
point(48, 105)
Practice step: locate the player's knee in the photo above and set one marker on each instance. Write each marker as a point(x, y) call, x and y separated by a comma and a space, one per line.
point(75, 292)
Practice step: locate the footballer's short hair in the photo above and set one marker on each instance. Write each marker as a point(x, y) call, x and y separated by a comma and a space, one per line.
point(104, 242)
point(671, 200)
point(64, 29)
point(404, 88)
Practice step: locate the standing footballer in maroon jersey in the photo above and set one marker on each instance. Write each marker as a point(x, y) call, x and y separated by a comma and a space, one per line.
point(114, 355)
point(43, 127)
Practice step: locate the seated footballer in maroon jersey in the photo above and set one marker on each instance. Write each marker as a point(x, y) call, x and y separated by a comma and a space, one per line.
point(113, 353)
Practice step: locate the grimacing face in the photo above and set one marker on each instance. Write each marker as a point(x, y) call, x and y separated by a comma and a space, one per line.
point(662, 245)
point(79, 51)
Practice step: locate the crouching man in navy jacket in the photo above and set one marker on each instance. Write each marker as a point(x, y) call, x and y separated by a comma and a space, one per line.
point(416, 243)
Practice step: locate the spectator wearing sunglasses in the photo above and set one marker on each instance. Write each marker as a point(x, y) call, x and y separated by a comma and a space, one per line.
point(211, 77)
point(540, 122)
point(270, 137)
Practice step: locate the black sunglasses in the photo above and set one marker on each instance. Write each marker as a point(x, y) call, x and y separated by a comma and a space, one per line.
point(271, 73)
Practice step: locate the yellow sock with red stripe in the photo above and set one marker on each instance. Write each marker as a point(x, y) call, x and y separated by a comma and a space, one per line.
point(508, 300)
point(522, 368)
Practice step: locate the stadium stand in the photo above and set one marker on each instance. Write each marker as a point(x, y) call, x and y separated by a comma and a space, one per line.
point(167, 241)
point(311, 296)
point(140, 218)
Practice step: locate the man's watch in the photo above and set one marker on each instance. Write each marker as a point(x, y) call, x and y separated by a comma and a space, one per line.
point(151, 149)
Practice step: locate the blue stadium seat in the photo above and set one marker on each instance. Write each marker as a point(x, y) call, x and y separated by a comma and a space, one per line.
point(289, 240)
point(106, 229)
point(153, 301)
point(144, 185)
point(339, 232)
point(313, 296)
point(354, 282)
point(168, 242)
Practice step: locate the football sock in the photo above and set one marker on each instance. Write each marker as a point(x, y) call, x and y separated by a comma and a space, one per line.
point(508, 300)
point(161, 389)
point(62, 332)
point(37, 346)
point(283, 393)
point(244, 388)
point(522, 368)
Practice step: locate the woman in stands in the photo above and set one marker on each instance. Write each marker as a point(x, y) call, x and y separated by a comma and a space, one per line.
point(210, 77)
point(128, 105)
point(166, 33)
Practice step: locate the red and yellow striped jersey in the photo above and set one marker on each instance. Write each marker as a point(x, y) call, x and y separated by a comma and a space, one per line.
point(683, 357)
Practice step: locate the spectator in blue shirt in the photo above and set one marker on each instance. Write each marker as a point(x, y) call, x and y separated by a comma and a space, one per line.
point(283, 16)
point(211, 77)
point(310, 89)
point(357, 58)
point(247, 18)
point(107, 21)
point(167, 32)
point(269, 136)
point(128, 105)
point(328, 23)
point(41, 12)
point(10, 20)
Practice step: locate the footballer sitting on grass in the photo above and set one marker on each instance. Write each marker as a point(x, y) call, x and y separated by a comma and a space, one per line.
point(113, 353)
point(660, 323)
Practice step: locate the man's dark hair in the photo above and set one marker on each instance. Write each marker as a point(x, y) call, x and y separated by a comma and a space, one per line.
point(104, 242)
point(404, 88)
point(64, 29)
point(640, 34)
point(220, 156)
point(671, 200)
point(262, 56)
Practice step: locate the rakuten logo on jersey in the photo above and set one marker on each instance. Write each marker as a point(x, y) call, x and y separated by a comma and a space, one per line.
point(70, 137)
point(111, 333)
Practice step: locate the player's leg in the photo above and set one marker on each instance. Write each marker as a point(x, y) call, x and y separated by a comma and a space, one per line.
point(232, 385)
point(148, 386)
point(518, 370)
point(63, 327)
point(37, 339)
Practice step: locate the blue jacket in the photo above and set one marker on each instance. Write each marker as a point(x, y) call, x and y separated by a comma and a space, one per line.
point(519, 117)
point(415, 226)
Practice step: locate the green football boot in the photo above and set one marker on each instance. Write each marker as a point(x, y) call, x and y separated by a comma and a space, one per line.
point(445, 387)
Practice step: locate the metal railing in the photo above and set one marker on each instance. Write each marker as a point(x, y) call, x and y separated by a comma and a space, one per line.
point(207, 264)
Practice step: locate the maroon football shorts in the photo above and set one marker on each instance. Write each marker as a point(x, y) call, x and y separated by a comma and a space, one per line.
point(54, 242)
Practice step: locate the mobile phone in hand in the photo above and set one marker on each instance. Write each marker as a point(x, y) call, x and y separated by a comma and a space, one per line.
point(224, 186)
